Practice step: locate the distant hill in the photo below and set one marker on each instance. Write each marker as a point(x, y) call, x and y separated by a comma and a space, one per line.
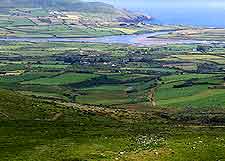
point(75, 6)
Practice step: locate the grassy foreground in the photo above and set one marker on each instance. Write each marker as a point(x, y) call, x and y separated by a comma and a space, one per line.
point(34, 130)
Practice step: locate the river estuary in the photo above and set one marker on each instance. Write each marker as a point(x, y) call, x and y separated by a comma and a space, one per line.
point(136, 39)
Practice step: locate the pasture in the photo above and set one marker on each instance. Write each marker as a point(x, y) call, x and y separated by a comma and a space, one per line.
point(103, 74)
point(63, 79)
point(191, 91)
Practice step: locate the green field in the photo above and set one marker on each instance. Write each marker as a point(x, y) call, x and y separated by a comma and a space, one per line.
point(26, 77)
point(103, 74)
point(104, 95)
point(196, 95)
point(63, 79)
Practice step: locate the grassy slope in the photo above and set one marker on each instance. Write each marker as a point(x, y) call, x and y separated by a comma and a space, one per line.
point(98, 135)
point(68, 5)
point(16, 107)
point(72, 18)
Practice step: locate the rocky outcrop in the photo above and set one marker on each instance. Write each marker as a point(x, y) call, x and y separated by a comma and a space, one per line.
point(134, 19)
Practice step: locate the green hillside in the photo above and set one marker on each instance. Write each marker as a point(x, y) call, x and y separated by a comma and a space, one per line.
point(14, 106)
point(33, 130)
point(71, 5)
point(65, 18)
point(36, 3)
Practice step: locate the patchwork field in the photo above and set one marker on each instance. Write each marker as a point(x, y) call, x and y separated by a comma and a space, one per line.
point(97, 102)
point(102, 74)
point(191, 91)
point(63, 79)
point(45, 23)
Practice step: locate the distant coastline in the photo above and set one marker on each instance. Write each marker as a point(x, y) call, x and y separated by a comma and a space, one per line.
point(201, 15)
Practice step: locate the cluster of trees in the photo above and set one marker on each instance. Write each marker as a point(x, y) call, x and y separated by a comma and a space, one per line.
point(203, 48)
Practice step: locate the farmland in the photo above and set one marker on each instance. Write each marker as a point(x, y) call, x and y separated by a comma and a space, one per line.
point(48, 23)
point(62, 79)
point(197, 94)
point(103, 74)
point(109, 101)
point(216, 34)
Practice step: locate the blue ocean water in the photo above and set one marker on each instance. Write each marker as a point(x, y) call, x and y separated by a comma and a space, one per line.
point(207, 17)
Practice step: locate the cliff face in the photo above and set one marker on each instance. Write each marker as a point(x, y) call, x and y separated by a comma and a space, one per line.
point(134, 19)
